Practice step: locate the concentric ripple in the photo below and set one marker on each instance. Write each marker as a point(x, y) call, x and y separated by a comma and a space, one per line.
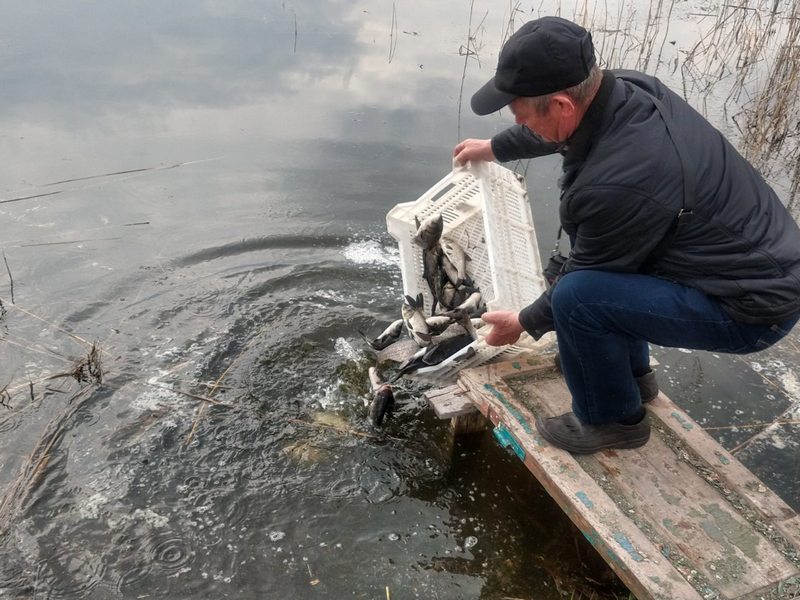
point(69, 573)
point(170, 553)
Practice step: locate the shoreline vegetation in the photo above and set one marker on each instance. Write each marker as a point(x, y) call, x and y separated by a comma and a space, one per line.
point(738, 63)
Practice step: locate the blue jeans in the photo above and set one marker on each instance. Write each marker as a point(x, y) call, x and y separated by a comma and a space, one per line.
point(605, 320)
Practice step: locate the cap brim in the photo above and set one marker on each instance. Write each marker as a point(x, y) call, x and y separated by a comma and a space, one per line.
point(489, 99)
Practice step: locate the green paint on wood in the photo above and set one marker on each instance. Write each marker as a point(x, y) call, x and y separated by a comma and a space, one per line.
point(626, 544)
point(722, 458)
point(585, 499)
point(669, 525)
point(510, 407)
point(684, 423)
point(725, 529)
point(506, 440)
point(516, 365)
point(671, 499)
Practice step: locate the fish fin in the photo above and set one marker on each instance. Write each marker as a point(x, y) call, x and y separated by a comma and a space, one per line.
point(370, 342)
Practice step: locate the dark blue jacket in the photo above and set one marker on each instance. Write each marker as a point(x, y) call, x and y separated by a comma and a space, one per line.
point(623, 188)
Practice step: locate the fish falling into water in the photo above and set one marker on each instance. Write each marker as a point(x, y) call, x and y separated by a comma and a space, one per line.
point(389, 336)
point(414, 319)
point(454, 293)
point(382, 399)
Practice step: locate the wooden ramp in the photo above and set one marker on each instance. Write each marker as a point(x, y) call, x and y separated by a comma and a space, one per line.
point(678, 519)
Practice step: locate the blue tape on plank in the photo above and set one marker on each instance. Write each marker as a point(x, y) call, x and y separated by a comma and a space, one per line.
point(507, 440)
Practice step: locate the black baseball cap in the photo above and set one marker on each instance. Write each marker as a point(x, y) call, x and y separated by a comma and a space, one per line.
point(543, 56)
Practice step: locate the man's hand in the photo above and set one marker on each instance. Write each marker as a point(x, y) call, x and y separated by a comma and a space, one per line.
point(506, 327)
point(473, 150)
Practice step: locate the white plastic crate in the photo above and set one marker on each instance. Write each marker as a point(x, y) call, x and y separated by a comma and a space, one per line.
point(485, 210)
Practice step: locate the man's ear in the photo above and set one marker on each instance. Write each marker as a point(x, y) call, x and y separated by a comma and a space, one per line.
point(565, 104)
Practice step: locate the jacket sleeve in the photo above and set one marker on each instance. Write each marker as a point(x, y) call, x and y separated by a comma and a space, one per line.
point(537, 318)
point(612, 230)
point(519, 142)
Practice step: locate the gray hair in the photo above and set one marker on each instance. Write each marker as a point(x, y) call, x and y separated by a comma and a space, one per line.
point(581, 93)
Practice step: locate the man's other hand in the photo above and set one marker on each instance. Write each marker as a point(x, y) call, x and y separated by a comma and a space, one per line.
point(472, 149)
point(506, 327)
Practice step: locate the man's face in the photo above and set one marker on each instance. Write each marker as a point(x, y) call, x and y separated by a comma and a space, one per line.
point(551, 126)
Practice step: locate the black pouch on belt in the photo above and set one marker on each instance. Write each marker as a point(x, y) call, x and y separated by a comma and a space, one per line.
point(556, 261)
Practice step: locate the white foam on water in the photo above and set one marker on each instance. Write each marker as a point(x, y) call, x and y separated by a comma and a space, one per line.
point(366, 252)
point(791, 386)
point(331, 295)
point(327, 397)
point(89, 508)
point(345, 349)
point(151, 517)
point(154, 399)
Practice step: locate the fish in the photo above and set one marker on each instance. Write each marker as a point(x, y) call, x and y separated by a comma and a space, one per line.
point(448, 297)
point(473, 304)
point(433, 355)
point(462, 317)
point(432, 273)
point(382, 404)
point(450, 271)
point(389, 336)
point(429, 231)
point(454, 261)
point(438, 324)
point(414, 319)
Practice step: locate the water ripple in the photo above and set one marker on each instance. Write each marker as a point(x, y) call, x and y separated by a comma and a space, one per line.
point(69, 573)
point(170, 553)
point(132, 577)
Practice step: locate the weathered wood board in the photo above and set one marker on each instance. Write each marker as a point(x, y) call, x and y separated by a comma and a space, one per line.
point(679, 518)
point(451, 401)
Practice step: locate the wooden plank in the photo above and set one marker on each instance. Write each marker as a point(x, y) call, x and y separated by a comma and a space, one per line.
point(677, 518)
point(729, 470)
point(450, 402)
point(611, 532)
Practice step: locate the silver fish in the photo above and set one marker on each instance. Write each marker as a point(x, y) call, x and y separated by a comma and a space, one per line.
point(433, 355)
point(389, 336)
point(414, 319)
point(429, 231)
point(382, 403)
point(432, 273)
point(450, 270)
point(438, 324)
point(461, 316)
point(457, 257)
point(473, 304)
point(448, 295)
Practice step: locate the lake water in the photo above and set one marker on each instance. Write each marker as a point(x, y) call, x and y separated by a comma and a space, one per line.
point(199, 189)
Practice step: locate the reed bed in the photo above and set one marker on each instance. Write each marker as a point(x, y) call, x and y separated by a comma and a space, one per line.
point(741, 70)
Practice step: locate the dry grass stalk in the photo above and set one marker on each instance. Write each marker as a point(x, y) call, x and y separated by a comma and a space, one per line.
point(21, 488)
point(88, 369)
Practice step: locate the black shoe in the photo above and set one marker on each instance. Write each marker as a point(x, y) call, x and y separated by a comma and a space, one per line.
point(568, 433)
point(648, 386)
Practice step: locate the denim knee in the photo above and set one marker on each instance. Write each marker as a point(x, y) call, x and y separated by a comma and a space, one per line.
point(570, 292)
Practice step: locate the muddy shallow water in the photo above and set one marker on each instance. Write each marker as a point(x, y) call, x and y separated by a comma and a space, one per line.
point(200, 189)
